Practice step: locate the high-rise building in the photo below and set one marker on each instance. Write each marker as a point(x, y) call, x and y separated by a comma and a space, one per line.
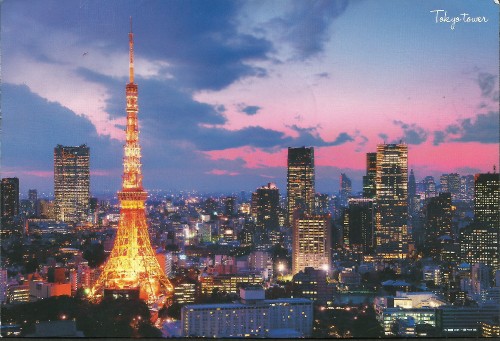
point(311, 242)
point(413, 199)
point(369, 185)
point(300, 181)
point(450, 183)
point(229, 206)
point(71, 182)
point(10, 198)
point(132, 269)
point(345, 189)
point(467, 187)
point(479, 244)
point(438, 221)
point(429, 187)
point(358, 225)
point(265, 207)
point(391, 218)
point(322, 203)
point(487, 199)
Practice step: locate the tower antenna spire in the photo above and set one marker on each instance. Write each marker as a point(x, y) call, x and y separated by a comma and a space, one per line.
point(131, 53)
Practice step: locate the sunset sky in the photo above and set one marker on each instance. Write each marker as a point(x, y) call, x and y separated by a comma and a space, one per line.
point(226, 86)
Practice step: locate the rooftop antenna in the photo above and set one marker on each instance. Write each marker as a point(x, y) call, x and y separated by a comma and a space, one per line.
point(131, 53)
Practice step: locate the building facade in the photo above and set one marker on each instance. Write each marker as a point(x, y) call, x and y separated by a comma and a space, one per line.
point(369, 185)
point(71, 182)
point(9, 198)
point(358, 225)
point(311, 242)
point(487, 199)
point(300, 181)
point(252, 317)
point(391, 218)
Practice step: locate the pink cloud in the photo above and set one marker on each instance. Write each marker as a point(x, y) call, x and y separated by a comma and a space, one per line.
point(222, 172)
point(39, 173)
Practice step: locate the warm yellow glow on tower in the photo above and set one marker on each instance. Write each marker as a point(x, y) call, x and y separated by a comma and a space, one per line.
point(132, 264)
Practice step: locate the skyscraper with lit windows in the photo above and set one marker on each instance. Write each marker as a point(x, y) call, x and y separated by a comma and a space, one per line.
point(9, 198)
point(391, 218)
point(300, 181)
point(265, 207)
point(487, 198)
point(369, 186)
point(311, 242)
point(71, 182)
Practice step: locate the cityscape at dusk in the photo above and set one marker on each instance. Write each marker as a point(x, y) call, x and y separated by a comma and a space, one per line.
point(284, 169)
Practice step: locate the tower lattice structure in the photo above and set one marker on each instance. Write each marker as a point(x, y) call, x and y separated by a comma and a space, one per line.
point(132, 264)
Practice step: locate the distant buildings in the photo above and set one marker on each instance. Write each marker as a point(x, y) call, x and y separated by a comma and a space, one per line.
point(71, 182)
point(300, 181)
point(345, 189)
point(9, 198)
point(391, 218)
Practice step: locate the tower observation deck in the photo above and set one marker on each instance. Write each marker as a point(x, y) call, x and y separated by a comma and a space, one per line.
point(132, 269)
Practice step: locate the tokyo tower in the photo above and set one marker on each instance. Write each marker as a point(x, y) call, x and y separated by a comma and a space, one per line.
point(132, 269)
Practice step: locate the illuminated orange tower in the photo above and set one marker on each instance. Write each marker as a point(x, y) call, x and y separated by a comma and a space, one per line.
point(132, 268)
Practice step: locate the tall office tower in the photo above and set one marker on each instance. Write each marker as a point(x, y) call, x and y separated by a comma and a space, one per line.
point(321, 203)
point(391, 217)
point(438, 221)
point(413, 202)
point(345, 189)
point(467, 187)
point(229, 206)
point(358, 225)
point(429, 187)
point(480, 278)
point(33, 198)
point(369, 185)
point(10, 198)
point(450, 183)
point(132, 268)
point(487, 199)
point(479, 244)
point(300, 181)
point(71, 182)
point(311, 242)
point(265, 207)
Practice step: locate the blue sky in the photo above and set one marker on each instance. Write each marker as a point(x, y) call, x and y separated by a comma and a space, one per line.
point(226, 86)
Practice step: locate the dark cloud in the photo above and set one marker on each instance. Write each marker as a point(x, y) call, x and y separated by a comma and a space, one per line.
point(439, 137)
point(323, 75)
point(310, 137)
point(383, 136)
point(199, 39)
point(33, 126)
point(413, 134)
point(306, 26)
point(250, 109)
point(486, 82)
point(484, 128)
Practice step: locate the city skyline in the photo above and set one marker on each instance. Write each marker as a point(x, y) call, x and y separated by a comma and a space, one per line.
point(227, 87)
